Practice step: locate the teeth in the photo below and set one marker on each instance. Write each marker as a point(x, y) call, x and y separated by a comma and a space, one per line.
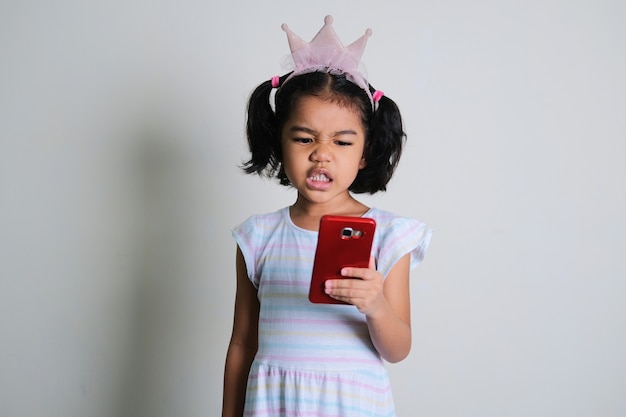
point(320, 177)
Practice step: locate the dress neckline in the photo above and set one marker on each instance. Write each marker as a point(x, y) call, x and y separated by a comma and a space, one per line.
point(289, 220)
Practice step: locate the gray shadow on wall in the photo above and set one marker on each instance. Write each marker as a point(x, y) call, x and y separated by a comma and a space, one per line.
point(158, 335)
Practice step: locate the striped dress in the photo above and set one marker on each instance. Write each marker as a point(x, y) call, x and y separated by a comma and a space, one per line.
point(315, 360)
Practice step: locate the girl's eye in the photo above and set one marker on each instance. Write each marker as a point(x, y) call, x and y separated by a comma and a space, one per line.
point(303, 140)
point(342, 143)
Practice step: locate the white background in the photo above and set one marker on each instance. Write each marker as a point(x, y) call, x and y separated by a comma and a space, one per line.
point(121, 132)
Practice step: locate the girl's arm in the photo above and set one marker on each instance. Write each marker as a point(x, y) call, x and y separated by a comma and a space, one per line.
point(386, 305)
point(243, 343)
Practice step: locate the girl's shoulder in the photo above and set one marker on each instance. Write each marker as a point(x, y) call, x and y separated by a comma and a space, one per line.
point(396, 236)
point(386, 219)
point(265, 221)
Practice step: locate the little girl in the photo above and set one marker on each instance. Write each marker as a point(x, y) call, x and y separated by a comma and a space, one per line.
point(328, 134)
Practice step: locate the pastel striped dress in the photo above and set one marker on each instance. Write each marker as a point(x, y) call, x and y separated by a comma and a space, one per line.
point(315, 360)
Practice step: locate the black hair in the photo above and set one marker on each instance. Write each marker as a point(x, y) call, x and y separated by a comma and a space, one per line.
point(384, 135)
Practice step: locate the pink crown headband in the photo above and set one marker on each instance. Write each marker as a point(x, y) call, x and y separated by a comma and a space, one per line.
point(326, 53)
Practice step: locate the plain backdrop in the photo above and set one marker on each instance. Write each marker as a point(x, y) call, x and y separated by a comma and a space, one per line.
point(121, 133)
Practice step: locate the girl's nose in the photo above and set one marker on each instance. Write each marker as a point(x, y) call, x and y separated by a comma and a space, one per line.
point(321, 153)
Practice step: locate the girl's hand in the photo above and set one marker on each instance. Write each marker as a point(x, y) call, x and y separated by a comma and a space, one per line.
point(386, 304)
point(366, 292)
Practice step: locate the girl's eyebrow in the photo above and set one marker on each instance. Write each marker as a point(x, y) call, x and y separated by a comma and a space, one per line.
point(297, 128)
point(345, 132)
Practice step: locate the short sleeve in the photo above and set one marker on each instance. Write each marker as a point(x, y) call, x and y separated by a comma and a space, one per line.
point(400, 236)
point(246, 237)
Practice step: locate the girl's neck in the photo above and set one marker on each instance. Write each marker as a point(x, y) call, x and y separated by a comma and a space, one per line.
point(307, 215)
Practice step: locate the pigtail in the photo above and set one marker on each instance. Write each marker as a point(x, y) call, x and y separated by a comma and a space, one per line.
point(383, 148)
point(387, 124)
point(261, 129)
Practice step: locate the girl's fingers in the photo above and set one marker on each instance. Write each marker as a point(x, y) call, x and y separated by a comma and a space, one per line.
point(363, 273)
point(362, 286)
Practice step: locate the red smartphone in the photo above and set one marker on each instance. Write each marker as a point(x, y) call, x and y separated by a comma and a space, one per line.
point(342, 241)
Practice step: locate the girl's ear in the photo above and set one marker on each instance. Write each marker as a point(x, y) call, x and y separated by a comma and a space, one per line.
point(362, 163)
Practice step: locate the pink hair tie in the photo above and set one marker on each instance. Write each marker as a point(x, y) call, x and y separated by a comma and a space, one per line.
point(275, 81)
point(377, 95)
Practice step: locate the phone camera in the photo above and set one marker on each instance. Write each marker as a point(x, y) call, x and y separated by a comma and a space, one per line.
point(350, 233)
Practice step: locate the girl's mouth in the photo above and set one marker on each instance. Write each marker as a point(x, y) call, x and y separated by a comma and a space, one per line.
point(319, 180)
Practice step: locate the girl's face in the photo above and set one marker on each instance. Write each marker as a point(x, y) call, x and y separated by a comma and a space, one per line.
point(322, 145)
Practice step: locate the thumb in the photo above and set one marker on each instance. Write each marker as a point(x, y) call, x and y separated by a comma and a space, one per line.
point(372, 263)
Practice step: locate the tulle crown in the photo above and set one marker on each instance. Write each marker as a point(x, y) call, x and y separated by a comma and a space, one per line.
point(326, 53)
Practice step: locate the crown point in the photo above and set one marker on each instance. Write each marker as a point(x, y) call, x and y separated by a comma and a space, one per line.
point(368, 32)
point(284, 27)
point(328, 20)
